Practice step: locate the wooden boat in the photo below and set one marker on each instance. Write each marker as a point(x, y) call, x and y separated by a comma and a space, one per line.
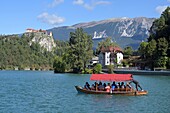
point(129, 93)
point(112, 77)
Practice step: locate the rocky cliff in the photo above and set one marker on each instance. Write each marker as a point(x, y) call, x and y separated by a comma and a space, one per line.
point(41, 37)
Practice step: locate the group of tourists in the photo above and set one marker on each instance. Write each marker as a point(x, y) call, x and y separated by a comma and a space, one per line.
point(120, 86)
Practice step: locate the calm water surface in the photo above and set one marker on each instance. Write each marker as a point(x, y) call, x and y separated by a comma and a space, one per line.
point(46, 92)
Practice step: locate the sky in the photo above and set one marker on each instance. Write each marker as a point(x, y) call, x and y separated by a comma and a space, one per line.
point(18, 15)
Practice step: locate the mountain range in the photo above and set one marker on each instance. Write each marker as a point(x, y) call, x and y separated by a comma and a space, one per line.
point(124, 31)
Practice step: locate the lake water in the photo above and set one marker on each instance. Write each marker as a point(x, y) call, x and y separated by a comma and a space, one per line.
point(46, 92)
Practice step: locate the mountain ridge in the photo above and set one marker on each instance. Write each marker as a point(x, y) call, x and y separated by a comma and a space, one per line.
point(124, 31)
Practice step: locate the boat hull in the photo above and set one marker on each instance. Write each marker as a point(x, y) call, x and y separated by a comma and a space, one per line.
point(129, 93)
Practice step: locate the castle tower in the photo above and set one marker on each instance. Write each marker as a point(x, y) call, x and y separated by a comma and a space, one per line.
point(51, 34)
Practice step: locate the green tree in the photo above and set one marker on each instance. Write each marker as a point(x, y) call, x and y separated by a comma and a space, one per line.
point(59, 66)
point(161, 62)
point(81, 49)
point(67, 60)
point(142, 49)
point(150, 53)
point(151, 48)
point(106, 43)
point(97, 68)
point(168, 63)
point(128, 50)
point(62, 47)
point(160, 32)
point(162, 46)
point(87, 51)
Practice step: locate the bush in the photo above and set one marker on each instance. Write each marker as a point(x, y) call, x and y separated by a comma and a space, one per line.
point(110, 68)
point(87, 71)
point(97, 68)
point(125, 63)
point(59, 66)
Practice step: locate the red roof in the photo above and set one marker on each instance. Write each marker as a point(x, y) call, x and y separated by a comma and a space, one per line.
point(111, 77)
point(33, 30)
point(110, 49)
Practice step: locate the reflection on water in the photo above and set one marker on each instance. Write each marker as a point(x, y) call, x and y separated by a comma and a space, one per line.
point(44, 91)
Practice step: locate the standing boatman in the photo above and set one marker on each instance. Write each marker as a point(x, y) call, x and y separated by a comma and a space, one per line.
point(136, 84)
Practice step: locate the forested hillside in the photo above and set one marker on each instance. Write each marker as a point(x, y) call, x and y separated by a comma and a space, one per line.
point(16, 53)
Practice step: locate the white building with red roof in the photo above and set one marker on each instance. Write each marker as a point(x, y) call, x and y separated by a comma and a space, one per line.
point(110, 55)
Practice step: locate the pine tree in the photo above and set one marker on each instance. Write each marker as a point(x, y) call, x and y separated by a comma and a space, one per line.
point(81, 49)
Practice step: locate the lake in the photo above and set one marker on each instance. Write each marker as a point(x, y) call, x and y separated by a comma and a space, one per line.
point(46, 92)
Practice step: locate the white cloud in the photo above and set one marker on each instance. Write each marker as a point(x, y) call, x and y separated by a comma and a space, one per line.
point(55, 3)
point(50, 19)
point(88, 6)
point(160, 9)
point(92, 4)
point(78, 2)
point(168, 0)
point(102, 2)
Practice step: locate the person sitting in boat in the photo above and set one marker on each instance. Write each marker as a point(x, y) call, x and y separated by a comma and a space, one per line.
point(108, 87)
point(104, 85)
point(87, 86)
point(136, 84)
point(92, 87)
point(122, 85)
point(128, 87)
point(96, 86)
point(100, 83)
point(100, 87)
point(118, 84)
point(114, 86)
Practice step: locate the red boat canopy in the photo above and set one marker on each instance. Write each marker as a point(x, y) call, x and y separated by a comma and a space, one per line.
point(111, 77)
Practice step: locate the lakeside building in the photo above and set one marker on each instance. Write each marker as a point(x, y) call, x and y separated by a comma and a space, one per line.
point(110, 56)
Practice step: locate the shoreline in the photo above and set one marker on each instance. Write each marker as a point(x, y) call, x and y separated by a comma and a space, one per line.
point(143, 72)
